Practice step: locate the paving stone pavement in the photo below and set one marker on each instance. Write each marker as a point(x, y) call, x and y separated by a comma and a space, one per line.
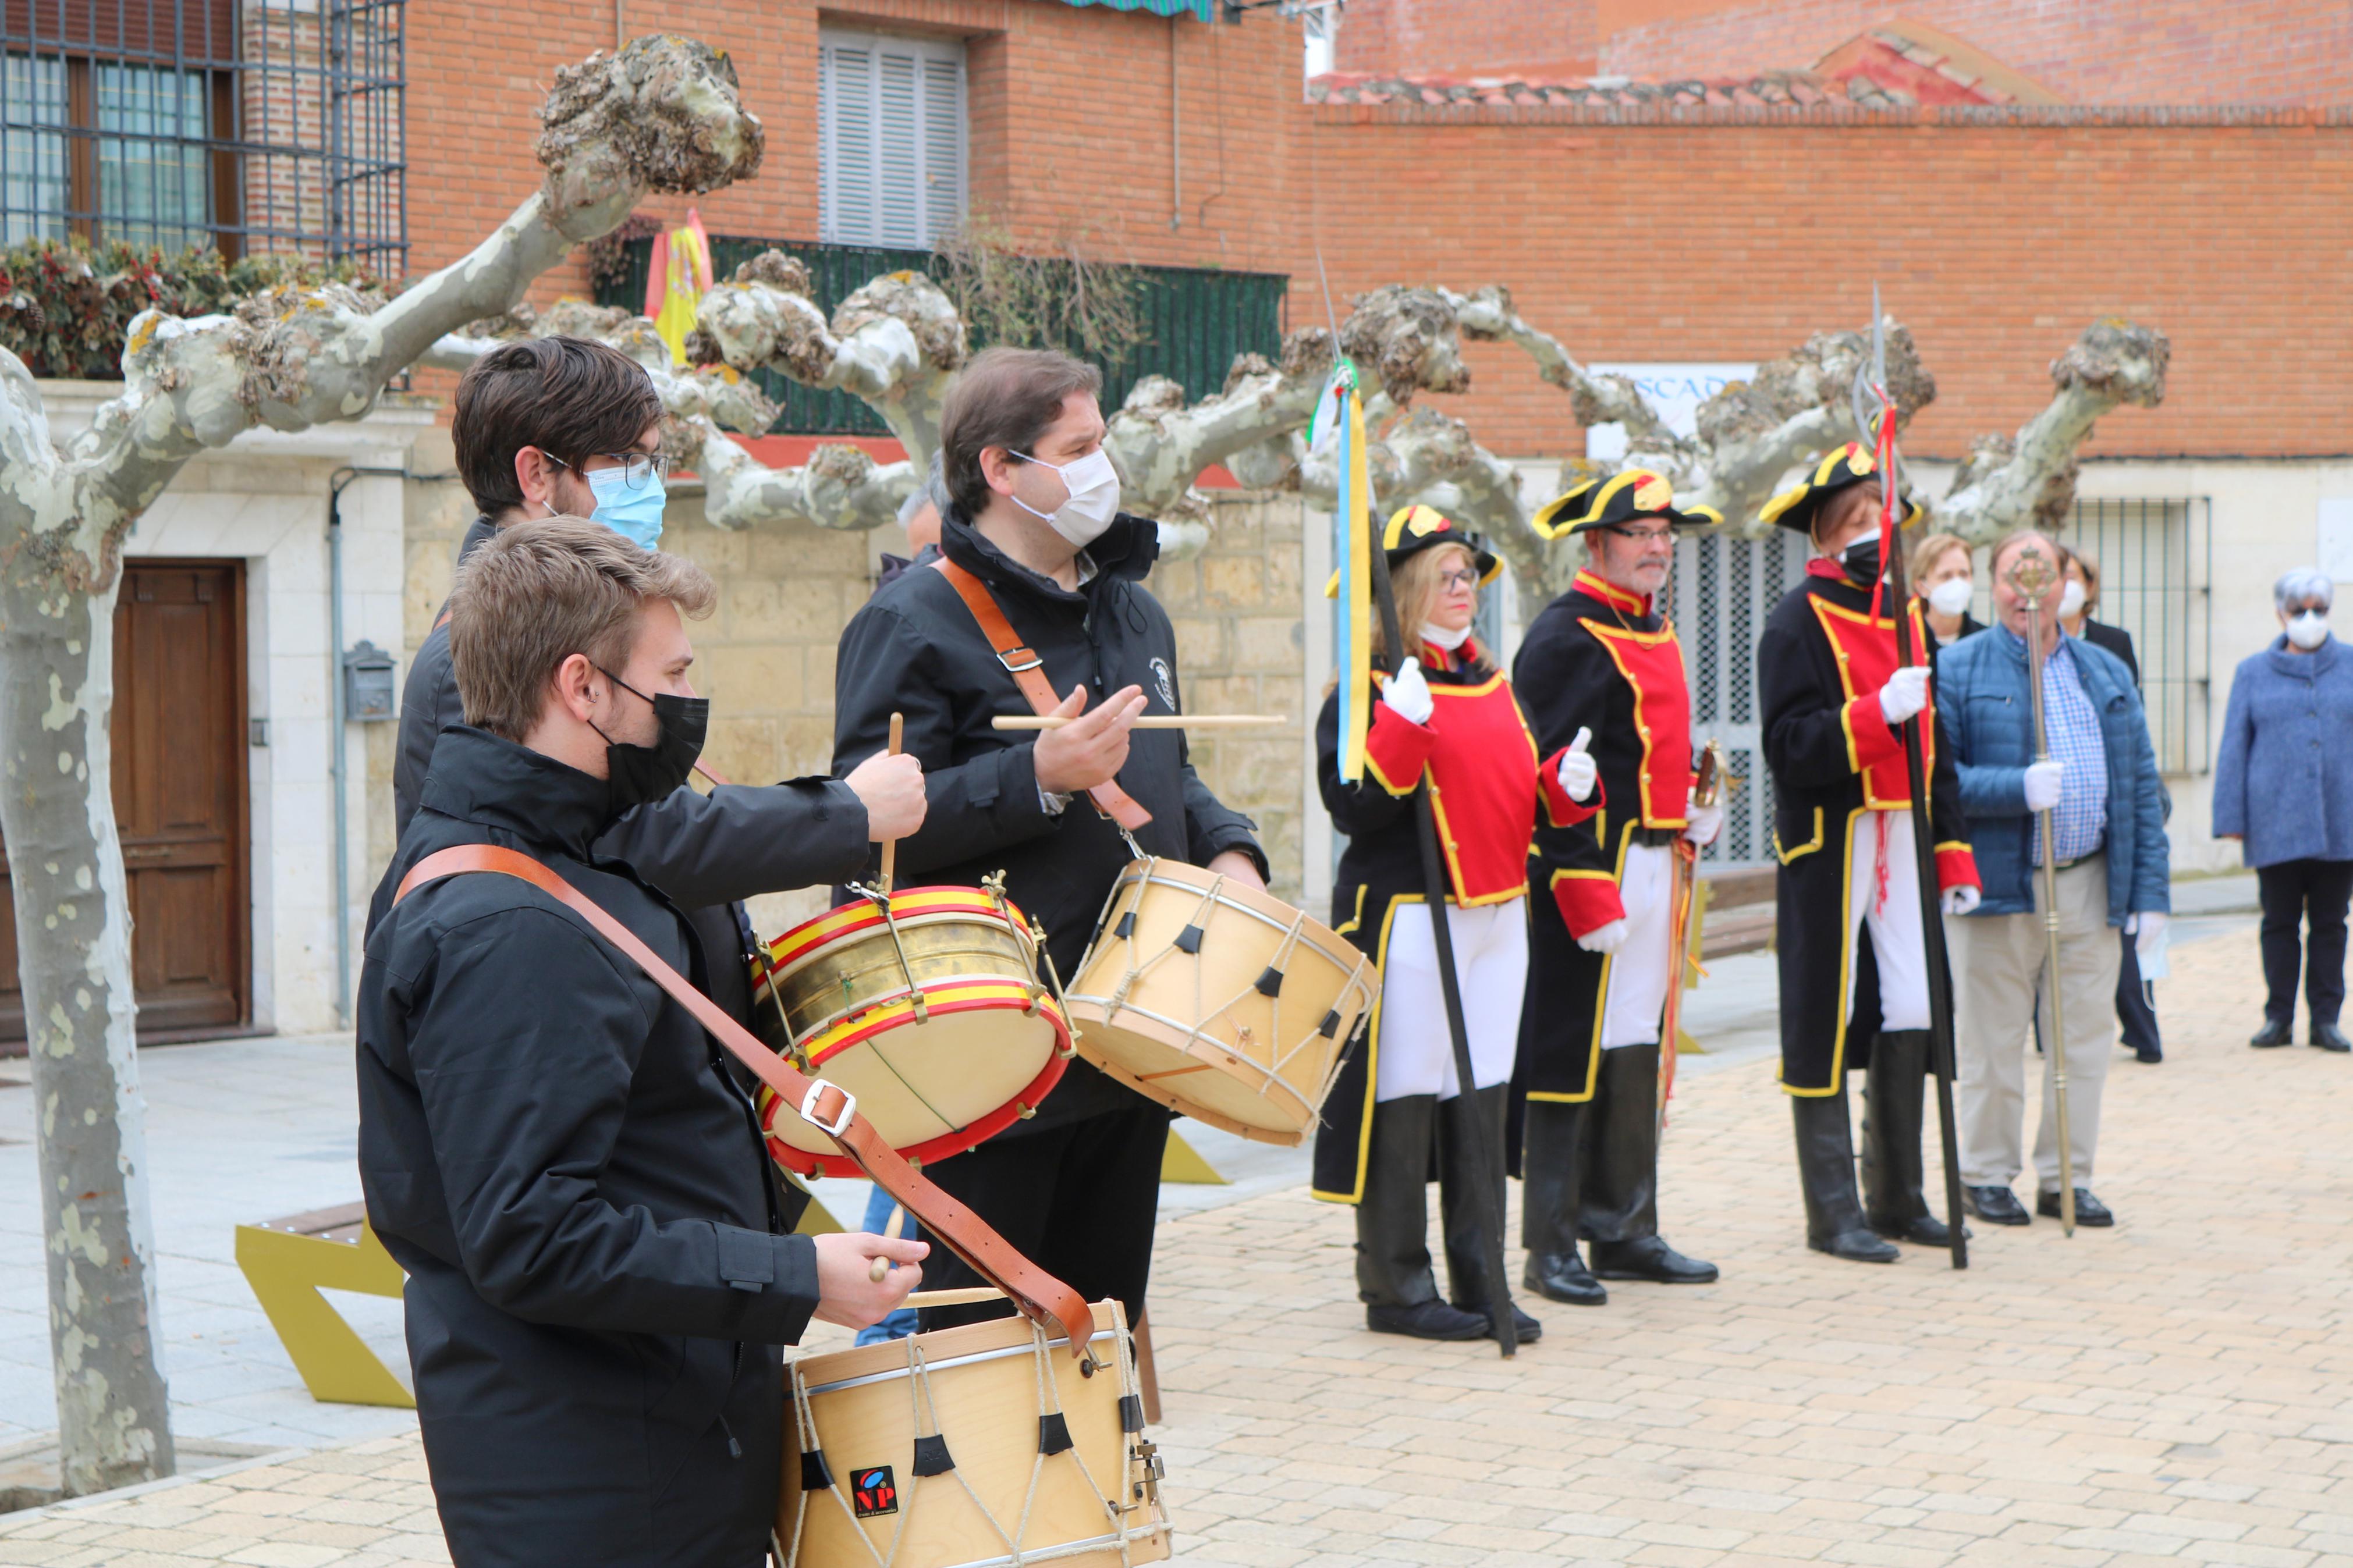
point(2179, 1390)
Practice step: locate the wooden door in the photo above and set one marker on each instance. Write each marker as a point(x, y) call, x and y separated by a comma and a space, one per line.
point(179, 735)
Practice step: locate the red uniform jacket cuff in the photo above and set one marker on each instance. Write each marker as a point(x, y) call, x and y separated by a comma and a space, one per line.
point(1869, 740)
point(1588, 899)
point(1396, 748)
point(1559, 810)
point(1957, 868)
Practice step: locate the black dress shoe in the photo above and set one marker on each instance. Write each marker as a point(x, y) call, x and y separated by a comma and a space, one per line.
point(1997, 1205)
point(2089, 1210)
point(1649, 1257)
point(1924, 1230)
point(1432, 1319)
point(2152, 1055)
point(2329, 1037)
point(2275, 1032)
point(1527, 1328)
point(1564, 1279)
point(1856, 1246)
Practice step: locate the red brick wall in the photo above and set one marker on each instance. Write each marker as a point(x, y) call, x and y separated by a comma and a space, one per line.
point(1996, 242)
point(1633, 235)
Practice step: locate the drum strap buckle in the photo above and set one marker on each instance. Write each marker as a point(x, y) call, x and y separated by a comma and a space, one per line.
point(841, 1123)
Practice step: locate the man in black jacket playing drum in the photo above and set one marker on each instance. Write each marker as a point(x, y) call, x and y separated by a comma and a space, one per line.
point(1034, 520)
point(1600, 665)
point(598, 1265)
point(558, 426)
point(1854, 957)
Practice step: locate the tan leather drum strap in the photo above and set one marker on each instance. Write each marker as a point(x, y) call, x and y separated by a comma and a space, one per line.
point(1043, 1299)
point(1029, 673)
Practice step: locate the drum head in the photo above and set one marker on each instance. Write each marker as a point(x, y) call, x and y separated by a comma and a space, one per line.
point(1208, 1083)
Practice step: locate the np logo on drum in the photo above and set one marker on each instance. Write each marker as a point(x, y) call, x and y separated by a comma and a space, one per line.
point(872, 1491)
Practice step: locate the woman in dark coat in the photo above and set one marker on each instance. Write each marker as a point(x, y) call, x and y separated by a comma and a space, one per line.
point(1398, 1110)
point(2283, 787)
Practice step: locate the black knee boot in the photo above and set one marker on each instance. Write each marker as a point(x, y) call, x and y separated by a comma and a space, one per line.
point(1894, 1089)
point(1620, 1210)
point(1393, 1274)
point(1463, 1195)
point(1826, 1171)
point(1551, 1156)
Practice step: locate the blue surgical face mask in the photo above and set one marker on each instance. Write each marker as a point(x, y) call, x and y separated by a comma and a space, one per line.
point(635, 514)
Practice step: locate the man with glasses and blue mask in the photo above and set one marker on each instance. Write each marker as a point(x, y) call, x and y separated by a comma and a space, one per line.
point(1038, 562)
point(564, 426)
point(1602, 674)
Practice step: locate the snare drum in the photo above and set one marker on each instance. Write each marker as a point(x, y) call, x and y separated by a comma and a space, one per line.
point(933, 1016)
point(1219, 1000)
point(984, 1443)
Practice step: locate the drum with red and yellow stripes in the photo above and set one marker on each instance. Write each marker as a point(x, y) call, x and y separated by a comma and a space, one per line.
point(935, 1015)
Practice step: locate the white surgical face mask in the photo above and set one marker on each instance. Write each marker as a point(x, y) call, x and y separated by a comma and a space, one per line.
point(2071, 600)
point(1438, 637)
point(1951, 596)
point(2308, 629)
point(1093, 500)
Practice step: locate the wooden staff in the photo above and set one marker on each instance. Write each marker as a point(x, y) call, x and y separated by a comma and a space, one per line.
point(2032, 575)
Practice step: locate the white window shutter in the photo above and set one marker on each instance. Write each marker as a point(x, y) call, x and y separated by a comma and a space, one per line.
point(891, 138)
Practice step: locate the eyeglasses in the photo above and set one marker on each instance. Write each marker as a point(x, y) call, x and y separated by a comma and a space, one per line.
point(1461, 577)
point(636, 468)
point(1639, 535)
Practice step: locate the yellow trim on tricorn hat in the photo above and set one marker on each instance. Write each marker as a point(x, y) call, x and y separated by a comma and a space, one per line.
point(1413, 529)
point(1843, 466)
point(1616, 500)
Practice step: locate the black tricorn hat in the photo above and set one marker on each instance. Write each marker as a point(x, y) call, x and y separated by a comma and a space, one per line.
point(1619, 500)
point(1413, 529)
point(1849, 465)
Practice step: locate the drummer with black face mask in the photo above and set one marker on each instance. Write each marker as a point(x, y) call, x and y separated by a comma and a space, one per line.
point(556, 425)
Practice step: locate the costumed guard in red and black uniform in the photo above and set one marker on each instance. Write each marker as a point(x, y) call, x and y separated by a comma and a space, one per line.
point(1833, 704)
point(1399, 1109)
point(1603, 659)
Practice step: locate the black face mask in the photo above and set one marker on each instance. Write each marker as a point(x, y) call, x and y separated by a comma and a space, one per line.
point(1862, 559)
point(636, 775)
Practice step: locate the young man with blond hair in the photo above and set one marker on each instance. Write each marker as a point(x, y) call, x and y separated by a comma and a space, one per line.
point(598, 1265)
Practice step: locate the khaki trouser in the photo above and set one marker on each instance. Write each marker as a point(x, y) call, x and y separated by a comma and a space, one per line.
point(1998, 971)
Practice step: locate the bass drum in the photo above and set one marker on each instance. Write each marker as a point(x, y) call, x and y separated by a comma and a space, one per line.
point(932, 1015)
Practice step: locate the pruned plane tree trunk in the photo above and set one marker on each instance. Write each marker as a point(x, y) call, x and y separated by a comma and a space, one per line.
point(662, 115)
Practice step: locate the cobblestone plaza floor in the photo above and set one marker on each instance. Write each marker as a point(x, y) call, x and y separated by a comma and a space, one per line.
point(2177, 1389)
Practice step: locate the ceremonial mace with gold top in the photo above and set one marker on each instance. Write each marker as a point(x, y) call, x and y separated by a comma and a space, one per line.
point(2032, 575)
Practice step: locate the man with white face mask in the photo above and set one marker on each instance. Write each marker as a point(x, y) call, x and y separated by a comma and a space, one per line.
point(1039, 601)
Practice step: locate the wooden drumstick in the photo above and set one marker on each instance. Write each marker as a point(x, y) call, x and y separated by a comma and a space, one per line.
point(890, 846)
point(1148, 722)
point(881, 1266)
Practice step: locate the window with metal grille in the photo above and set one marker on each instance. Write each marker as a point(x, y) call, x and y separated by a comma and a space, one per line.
point(1721, 593)
point(890, 147)
point(261, 125)
point(2156, 561)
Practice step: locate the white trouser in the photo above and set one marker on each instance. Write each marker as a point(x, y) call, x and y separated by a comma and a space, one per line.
point(1998, 969)
point(1893, 922)
point(1490, 965)
point(1642, 970)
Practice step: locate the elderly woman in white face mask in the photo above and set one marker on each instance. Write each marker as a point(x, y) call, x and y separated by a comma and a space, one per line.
point(2283, 787)
point(1944, 574)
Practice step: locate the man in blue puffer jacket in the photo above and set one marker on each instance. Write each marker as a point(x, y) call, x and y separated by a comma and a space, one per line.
point(2108, 807)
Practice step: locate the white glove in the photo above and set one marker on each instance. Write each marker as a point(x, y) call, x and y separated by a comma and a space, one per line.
point(1704, 823)
point(1604, 939)
point(1577, 768)
point(1960, 901)
point(1906, 693)
point(2147, 929)
point(1406, 694)
point(2043, 785)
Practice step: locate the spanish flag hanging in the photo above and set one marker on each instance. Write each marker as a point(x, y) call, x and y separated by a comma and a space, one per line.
point(677, 277)
point(1352, 548)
